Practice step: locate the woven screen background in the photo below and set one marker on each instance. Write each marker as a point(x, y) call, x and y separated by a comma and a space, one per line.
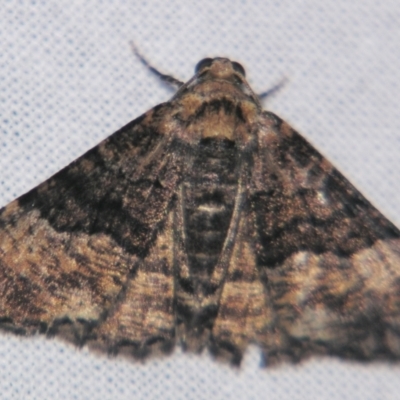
point(68, 80)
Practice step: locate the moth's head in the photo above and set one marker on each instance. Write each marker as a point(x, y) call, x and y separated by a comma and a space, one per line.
point(220, 68)
point(214, 76)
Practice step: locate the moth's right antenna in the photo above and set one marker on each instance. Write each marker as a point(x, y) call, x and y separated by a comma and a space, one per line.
point(165, 78)
point(273, 90)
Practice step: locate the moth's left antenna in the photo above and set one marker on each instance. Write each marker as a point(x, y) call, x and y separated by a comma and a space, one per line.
point(165, 78)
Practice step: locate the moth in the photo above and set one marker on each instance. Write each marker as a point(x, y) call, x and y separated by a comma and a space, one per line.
point(206, 223)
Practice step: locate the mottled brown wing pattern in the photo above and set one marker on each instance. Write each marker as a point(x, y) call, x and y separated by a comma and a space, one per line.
point(70, 248)
point(329, 260)
point(209, 223)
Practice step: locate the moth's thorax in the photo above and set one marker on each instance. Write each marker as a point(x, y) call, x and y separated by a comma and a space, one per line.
point(216, 102)
point(216, 108)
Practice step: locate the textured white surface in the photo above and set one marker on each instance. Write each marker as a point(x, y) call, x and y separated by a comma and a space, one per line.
point(68, 80)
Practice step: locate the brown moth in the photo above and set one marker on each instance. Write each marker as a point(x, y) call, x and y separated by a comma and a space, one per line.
point(206, 222)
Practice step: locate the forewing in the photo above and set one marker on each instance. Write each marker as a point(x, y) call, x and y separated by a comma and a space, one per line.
point(330, 262)
point(70, 248)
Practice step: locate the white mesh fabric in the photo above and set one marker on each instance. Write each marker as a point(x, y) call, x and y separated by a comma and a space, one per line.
point(68, 79)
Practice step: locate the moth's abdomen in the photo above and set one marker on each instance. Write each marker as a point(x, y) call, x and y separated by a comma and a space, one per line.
point(209, 194)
